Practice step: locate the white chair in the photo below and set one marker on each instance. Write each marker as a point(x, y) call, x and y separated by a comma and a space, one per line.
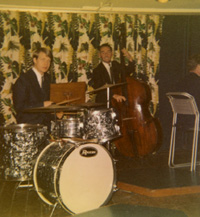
point(183, 103)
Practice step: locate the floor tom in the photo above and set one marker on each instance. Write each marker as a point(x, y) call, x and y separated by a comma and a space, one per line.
point(19, 148)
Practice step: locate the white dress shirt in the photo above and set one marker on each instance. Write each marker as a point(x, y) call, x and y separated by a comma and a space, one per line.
point(108, 65)
point(39, 76)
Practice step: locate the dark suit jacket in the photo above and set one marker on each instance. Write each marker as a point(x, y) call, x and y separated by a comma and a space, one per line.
point(27, 93)
point(101, 77)
point(190, 84)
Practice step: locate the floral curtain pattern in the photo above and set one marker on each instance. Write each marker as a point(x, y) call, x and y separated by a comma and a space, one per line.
point(74, 39)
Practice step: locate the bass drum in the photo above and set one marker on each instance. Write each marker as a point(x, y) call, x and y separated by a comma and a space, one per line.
point(78, 177)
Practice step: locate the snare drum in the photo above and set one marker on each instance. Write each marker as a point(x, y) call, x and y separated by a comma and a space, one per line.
point(19, 148)
point(68, 128)
point(78, 177)
point(101, 124)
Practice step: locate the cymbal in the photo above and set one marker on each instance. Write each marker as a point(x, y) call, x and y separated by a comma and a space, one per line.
point(90, 105)
point(106, 86)
point(53, 108)
point(68, 101)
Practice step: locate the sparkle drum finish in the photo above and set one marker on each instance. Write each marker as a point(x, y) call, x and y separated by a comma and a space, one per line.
point(101, 124)
point(78, 177)
point(20, 146)
point(68, 128)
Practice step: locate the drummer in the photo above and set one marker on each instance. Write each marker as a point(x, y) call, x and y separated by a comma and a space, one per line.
point(32, 89)
point(110, 72)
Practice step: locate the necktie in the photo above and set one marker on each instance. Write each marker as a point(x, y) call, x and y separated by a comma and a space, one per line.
point(112, 74)
point(42, 83)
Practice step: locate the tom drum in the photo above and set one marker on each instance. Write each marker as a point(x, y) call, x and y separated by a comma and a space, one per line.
point(101, 124)
point(68, 128)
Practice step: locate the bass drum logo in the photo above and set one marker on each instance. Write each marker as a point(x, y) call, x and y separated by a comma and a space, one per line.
point(88, 152)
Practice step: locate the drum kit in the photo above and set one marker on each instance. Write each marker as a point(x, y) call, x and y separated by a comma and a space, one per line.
point(74, 169)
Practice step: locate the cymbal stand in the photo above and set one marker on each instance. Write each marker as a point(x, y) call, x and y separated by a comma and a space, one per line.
point(108, 97)
point(56, 124)
point(108, 144)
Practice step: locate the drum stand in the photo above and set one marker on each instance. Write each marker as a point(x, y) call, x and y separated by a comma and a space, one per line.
point(108, 144)
point(22, 184)
point(53, 209)
point(56, 125)
point(108, 97)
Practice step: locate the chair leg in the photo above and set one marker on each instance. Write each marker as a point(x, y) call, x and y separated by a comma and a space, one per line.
point(172, 147)
point(172, 142)
point(195, 145)
point(193, 162)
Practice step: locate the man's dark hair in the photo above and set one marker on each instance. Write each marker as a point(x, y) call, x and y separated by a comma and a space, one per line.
point(43, 50)
point(105, 45)
point(193, 61)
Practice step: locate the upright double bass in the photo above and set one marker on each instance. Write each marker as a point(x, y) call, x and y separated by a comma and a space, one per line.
point(141, 132)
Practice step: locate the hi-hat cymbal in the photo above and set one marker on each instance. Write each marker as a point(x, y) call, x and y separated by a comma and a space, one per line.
point(106, 86)
point(53, 108)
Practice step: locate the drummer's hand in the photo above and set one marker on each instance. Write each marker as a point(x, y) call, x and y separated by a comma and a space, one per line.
point(59, 115)
point(47, 103)
point(127, 54)
point(119, 98)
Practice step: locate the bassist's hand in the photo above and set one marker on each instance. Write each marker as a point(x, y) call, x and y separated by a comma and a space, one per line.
point(119, 98)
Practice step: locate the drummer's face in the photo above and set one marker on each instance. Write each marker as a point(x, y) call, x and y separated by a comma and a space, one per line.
point(106, 54)
point(42, 63)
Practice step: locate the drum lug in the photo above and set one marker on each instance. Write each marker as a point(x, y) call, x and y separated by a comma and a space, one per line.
point(115, 188)
point(54, 167)
point(42, 164)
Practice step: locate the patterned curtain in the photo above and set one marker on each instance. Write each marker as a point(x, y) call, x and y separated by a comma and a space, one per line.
point(74, 39)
